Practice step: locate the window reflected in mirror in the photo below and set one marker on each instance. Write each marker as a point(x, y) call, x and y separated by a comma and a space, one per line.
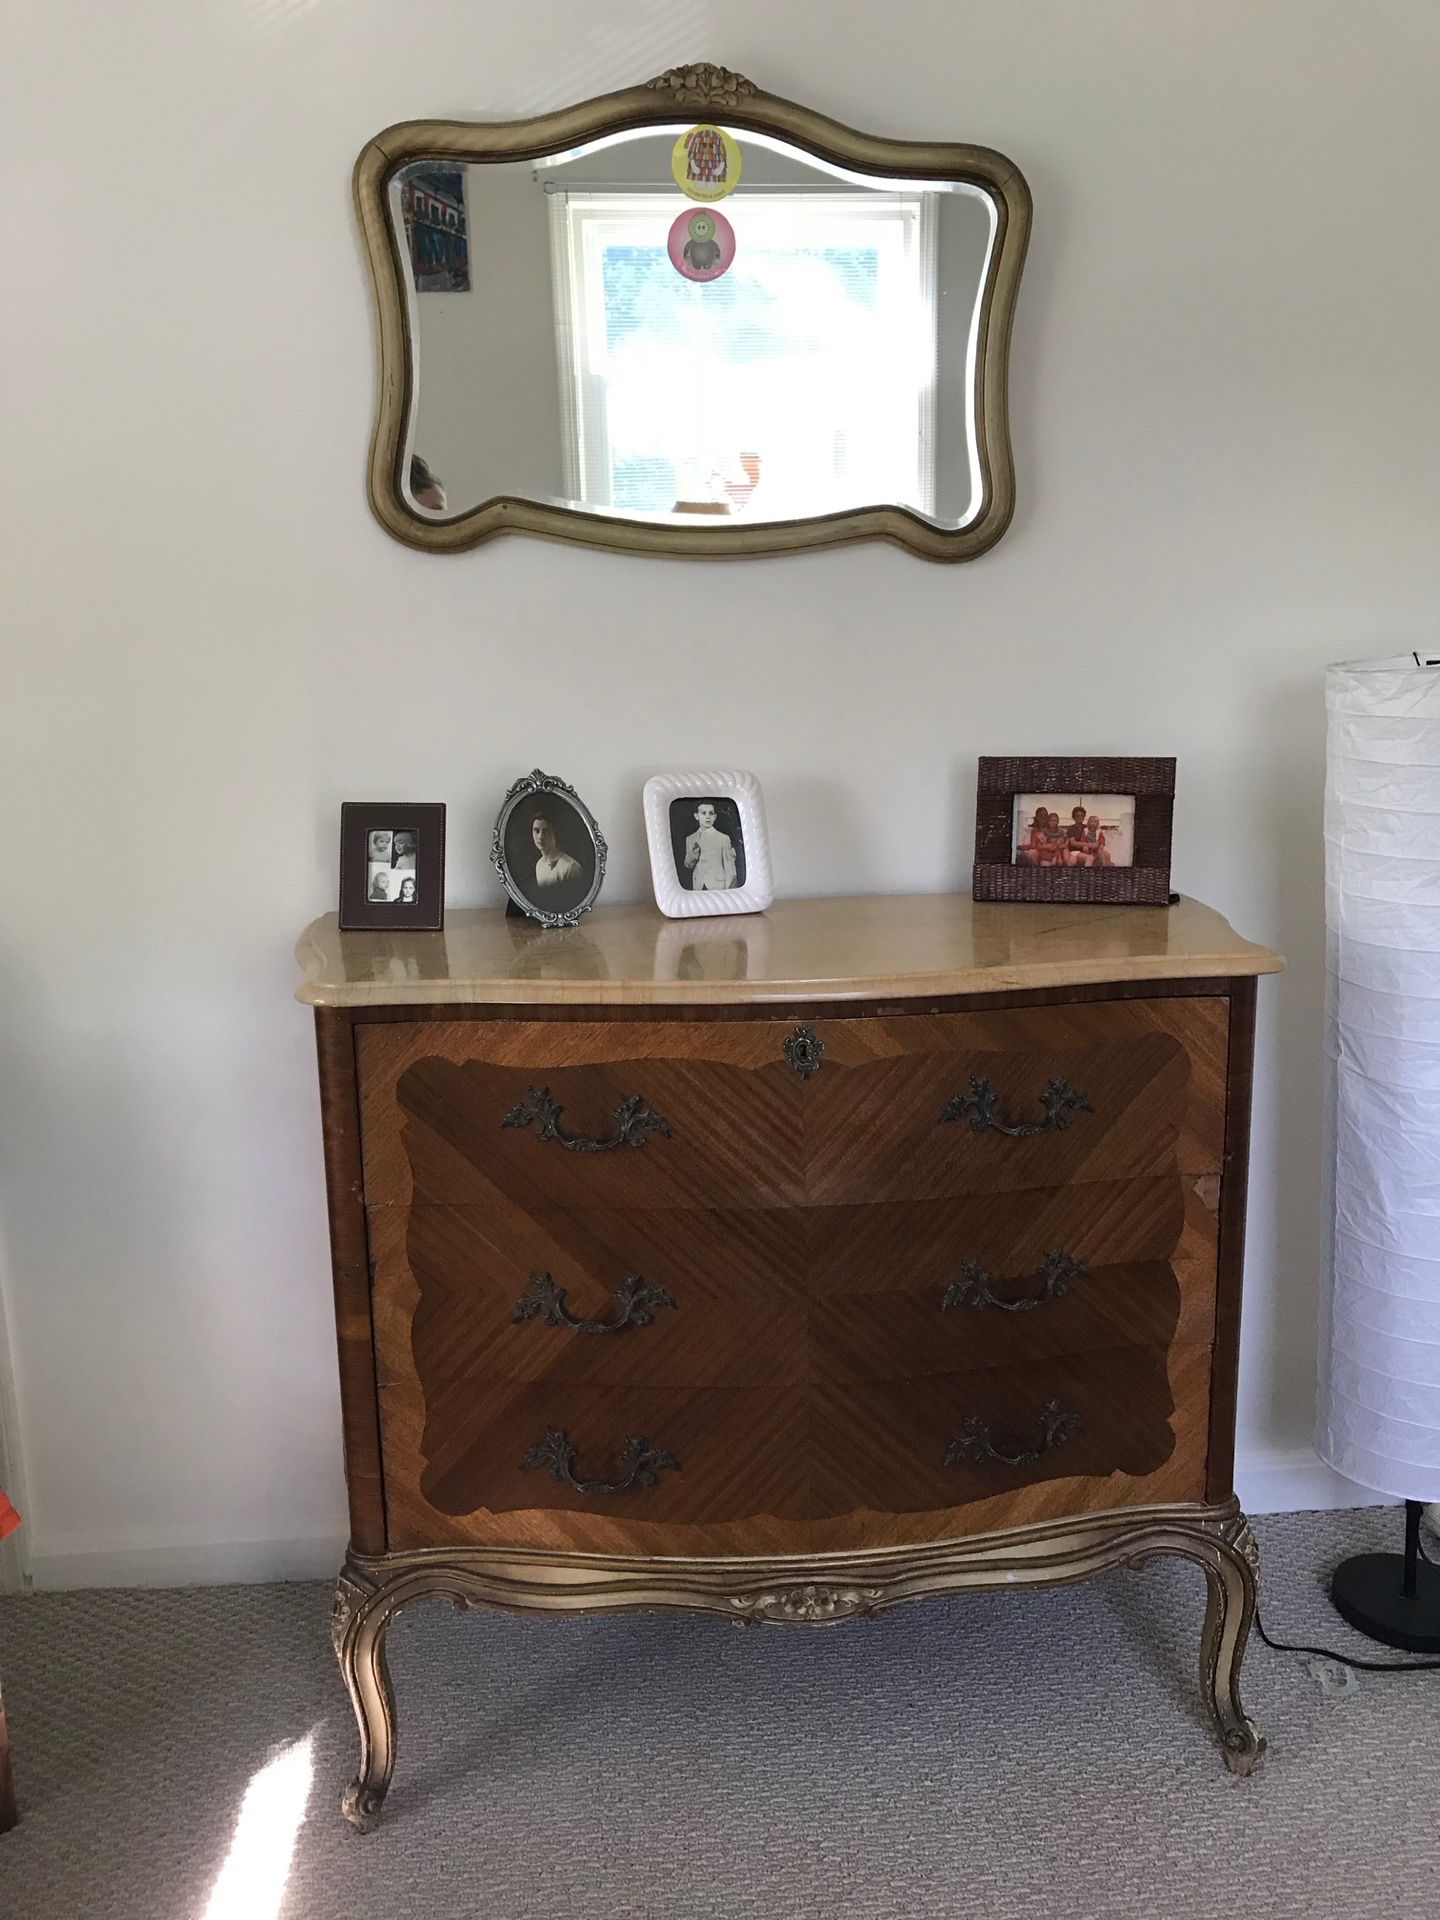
point(568, 350)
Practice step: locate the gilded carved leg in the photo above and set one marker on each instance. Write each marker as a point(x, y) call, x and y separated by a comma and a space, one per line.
point(1230, 1571)
point(1230, 1556)
point(361, 1619)
point(795, 1592)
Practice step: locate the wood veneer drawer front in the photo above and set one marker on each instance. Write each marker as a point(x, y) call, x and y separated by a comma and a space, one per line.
point(925, 1106)
point(615, 1114)
point(679, 1299)
point(1002, 1279)
point(863, 1248)
point(899, 1336)
point(950, 1439)
point(639, 1455)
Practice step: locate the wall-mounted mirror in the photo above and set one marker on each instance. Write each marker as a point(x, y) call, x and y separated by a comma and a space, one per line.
point(691, 318)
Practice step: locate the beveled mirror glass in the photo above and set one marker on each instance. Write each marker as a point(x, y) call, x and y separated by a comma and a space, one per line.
point(691, 318)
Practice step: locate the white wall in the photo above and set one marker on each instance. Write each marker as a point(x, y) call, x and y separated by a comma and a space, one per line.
point(1227, 422)
point(488, 418)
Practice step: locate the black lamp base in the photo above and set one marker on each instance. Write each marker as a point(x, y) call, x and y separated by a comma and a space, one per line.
point(1392, 1597)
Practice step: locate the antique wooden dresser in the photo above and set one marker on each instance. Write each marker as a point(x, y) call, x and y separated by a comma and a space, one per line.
point(785, 1268)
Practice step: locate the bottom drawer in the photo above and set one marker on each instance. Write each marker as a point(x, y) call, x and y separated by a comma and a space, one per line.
point(951, 1439)
point(654, 1456)
point(710, 1457)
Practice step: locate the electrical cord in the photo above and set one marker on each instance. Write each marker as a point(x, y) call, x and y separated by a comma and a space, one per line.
point(1346, 1659)
point(1349, 1659)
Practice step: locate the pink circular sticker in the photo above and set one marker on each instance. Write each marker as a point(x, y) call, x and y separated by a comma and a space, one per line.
point(701, 243)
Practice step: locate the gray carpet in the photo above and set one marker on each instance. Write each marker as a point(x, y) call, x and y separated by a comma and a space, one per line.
point(1025, 1755)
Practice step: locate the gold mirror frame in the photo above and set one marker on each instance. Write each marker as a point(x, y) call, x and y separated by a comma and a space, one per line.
point(701, 92)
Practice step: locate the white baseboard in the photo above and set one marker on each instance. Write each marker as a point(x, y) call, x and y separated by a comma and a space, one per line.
point(189, 1563)
point(1297, 1481)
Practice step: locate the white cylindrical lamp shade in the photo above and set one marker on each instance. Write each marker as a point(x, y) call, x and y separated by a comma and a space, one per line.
point(1379, 1413)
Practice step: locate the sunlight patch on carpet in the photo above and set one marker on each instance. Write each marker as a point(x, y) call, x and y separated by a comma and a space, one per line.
point(252, 1881)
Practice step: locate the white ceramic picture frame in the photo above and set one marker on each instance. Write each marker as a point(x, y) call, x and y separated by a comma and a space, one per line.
point(671, 852)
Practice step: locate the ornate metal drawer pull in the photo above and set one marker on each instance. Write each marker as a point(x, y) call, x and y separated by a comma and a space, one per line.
point(805, 1050)
point(980, 1441)
point(975, 1287)
point(641, 1464)
point(633, 1121)
point(636, 1299)
point(981, 1107)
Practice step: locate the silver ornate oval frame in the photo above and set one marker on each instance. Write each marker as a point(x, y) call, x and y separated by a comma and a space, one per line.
point(695, 90)
point(530, 784)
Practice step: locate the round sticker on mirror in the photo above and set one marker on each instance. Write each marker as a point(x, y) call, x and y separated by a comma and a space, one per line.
point(701, 244)
point(706, 163)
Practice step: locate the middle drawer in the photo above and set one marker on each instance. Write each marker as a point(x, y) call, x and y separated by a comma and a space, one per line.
point(783, 1296)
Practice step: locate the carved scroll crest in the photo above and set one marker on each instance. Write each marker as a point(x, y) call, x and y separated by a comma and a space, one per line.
point(703, 85)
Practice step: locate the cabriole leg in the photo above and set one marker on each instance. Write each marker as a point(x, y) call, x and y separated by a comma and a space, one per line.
point(361, 1619)
point(1228, 1552)
point(1230, 1569)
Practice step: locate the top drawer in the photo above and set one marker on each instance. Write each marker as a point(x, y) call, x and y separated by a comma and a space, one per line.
point(689, 1115)
point(928, 1106)
point(630, 1114)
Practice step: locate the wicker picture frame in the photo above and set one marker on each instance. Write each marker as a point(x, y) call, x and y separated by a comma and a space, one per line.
point(1145, 883)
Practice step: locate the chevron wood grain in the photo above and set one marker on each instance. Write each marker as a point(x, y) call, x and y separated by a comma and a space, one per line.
point(807, 1230)
point(878, 1276)
point(696, 1317)
point(868, 1247)
point(786, 1295)
point(448, 1281)
point(1153, 1074)
point(901, 1335)
point(882, 1445)
point(763, 1504)
point(735, 1453)
point(724, 1129)
point(731, 1132)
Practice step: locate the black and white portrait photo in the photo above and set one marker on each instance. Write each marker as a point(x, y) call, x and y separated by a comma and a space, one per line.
point(709, 848)
point(390, 867)
point(548, 850)
point(708, 843)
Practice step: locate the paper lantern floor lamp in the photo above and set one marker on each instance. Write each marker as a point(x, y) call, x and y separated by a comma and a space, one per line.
point(1379, 1420)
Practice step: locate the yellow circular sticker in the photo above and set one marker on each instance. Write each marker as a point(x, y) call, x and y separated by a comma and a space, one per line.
point(706, 163)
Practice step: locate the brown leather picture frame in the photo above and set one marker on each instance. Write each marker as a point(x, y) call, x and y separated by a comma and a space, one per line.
point(403, 892)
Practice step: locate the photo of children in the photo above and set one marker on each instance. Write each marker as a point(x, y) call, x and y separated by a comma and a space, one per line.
point(390, 867)
point(1074, 830)
point(384, 883)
